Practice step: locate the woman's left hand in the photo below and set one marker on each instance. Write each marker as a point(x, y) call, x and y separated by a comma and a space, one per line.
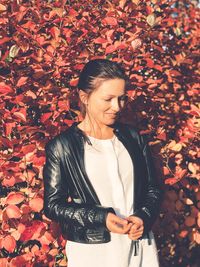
point(137, 227)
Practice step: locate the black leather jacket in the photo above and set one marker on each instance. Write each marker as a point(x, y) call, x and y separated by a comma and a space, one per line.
point(69, 197)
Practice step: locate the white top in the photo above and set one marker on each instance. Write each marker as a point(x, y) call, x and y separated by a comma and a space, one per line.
point(110, 170)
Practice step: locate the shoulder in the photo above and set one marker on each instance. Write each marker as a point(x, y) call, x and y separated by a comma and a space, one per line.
point(131, 132)
point(126, 128)
point(65, 136)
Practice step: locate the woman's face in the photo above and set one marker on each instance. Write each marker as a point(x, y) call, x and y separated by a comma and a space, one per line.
point(105, 102)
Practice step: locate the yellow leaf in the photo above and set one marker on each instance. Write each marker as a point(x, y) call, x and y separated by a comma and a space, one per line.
point(193, 167)
point(177, 31)
point(177, 147)
point(188, 201)
point(136, 2)
point(151, 19)
point(2, 8)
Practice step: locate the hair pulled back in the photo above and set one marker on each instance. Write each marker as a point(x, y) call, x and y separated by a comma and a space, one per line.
point(97, 71)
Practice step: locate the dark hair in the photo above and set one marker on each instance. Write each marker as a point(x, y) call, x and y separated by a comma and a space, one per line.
point(98, 70)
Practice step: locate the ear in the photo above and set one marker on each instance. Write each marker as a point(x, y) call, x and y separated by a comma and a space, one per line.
point(83, 97)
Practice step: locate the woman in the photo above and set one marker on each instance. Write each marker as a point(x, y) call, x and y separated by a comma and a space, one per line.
point(99, 179)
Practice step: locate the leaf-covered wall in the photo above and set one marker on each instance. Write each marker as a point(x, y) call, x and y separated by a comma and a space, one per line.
point(43, 47)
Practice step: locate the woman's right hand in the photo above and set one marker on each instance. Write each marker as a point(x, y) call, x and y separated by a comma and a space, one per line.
point(116, 224)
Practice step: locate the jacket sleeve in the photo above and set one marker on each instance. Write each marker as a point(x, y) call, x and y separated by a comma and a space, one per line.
point(56, 193)
point(151, 205)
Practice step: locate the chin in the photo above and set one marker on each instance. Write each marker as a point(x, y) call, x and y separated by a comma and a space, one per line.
point(110, 122)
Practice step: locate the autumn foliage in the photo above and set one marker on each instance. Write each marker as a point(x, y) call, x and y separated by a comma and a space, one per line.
point(43, 46)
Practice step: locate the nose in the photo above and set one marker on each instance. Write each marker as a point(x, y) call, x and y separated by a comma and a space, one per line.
point(116, 105)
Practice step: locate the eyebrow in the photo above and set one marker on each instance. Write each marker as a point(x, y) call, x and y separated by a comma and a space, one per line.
point(114, 95)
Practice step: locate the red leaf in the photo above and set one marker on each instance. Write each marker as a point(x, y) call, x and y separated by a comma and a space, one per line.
point(110, 49)
point(22, 260)
point(171, 181)
point(100, 40)
point(5, 89)
point(36, 204)
point(38, 161)
point(162, 136)
point(8, 127)
point(34, 229)
point(4, 40)
point(28, 148)
point(14, 198)
point(13, 212)
point(45, 117)
point(9, 243)
point(110, 21)
point(3, 262)
point(74, 82)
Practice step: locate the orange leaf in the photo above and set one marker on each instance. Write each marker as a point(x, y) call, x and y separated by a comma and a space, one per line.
point(55, 32)
point(9, 243)
point(110, 21)
point(100, 40)
point(14, 198)
point(13, 212)
point(36, 204)
point(21, 81)
point(21, 114)
point(28, 148)
point(110, 49)
point(8, 127)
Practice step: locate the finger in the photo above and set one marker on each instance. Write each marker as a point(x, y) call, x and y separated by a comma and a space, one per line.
point(120, 221)
point(135, 229)
point(135, 220)
point(134, 236)
point(140, 231)
point(119, 229)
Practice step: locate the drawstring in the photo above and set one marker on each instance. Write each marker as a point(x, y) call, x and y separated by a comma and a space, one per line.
point(135, 247)
point(149, 239)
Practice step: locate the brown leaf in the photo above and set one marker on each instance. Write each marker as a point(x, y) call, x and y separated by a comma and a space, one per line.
point(189, 221)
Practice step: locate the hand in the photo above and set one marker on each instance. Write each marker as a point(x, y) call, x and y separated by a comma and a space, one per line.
point(137, 227)
point(117, 225)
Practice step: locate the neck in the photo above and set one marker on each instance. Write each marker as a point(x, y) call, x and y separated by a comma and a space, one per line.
point(94, 129)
